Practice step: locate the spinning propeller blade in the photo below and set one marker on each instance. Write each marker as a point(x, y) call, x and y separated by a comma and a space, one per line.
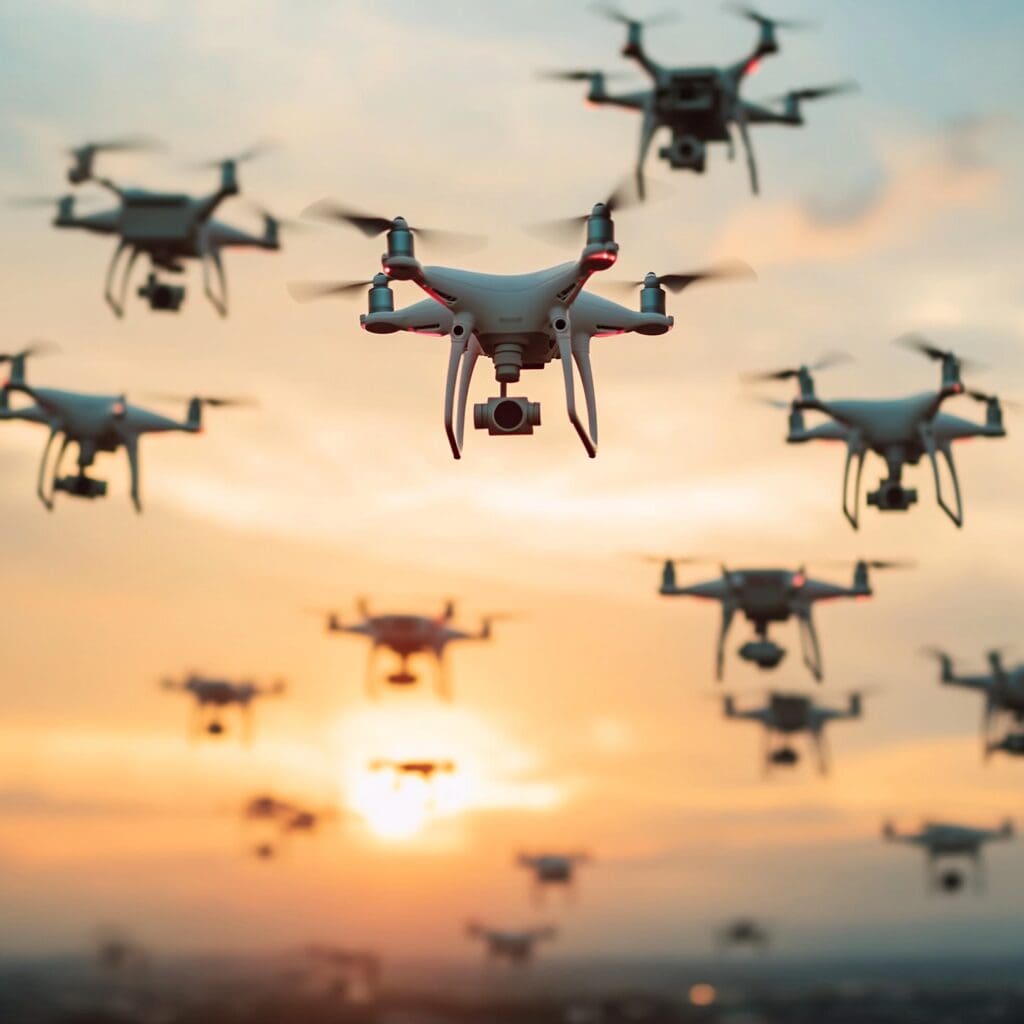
point(372, 225)
point(752, 14)
point(213, 401)
point(919, 343)
point(827, 361)
point(30, 201)
point(125, 144)
point(675, 283)
point(576, 75)
point(259, 149)
point(37, 346)
point(981, 396)
point(616, 14)
point(819, 92)
point(566, 228)
point(310, 291)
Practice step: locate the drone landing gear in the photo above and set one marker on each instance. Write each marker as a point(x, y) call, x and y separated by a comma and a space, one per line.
point(117, 303)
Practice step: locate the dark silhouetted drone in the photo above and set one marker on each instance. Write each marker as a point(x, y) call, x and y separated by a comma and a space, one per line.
point(943, 841)
point(765, 596)
point(284, 817)
point(1002, 689)
point(515, 947)
point(520, 322)
point(900, 430)
point(743, 933)
point(168, 227)
point(700, 105)
point(787, 714)
point(407, 636)
point(211, 696)
point(96, 423)
point(425, 770)
point(551, 870)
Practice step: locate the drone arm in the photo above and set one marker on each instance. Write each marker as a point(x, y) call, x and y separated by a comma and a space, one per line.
point(565, 351)
point(219, 299)
point(933, 449)
point(855, 450)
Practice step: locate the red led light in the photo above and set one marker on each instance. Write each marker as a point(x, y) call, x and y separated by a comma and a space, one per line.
point(752, 65)
point(799, 579)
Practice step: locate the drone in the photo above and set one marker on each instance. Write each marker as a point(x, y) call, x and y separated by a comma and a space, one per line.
point(354, 974)
point(765, 596)
point(212, 696)
point(286, 818)
point(520, 322)
point(95, 423)
point(425, 770)
point(899, 430)
point(743, 933)
point(168, 227)
point(700, 105)
point(409, 635)
point(943, 841)
point(552, 869)
point(1003, 691)
point(790, 713)
point(515, 947)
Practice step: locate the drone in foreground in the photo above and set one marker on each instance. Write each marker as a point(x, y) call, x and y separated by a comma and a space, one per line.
point(515, 947)
point(168, 227)
point(1003, 691)
point(743, 933)
point(899, 430)
point(944, 841)
point(700, 105)
point(407, 636)
point(552, 870)
point(520, 322)
point(285, 818)
point(95, 423)
point(212, 696)
point(791, 713)
point(765, 596)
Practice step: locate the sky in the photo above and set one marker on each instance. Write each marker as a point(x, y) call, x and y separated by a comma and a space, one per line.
point(591, 721)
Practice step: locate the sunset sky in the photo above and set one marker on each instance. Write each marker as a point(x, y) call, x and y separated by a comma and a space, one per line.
point(592, 719)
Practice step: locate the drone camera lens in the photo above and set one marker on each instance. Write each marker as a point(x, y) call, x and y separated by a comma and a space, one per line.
point(509, 414)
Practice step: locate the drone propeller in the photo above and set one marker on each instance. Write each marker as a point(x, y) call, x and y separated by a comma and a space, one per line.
point(35, 348)
point(818, 92)
point(752, 14)
point(125, 144)
point(212, 401)
point(31, 201)
point(981, 396)
point(259, 149)
point(919, 343)
point(372, 225)
point(561, 229)
point(281, 222)
point(615, 14)
point(889, 563)
point(310, 291)
point(577, 75)
point(827, 361)
point(680, 560)
point(675, 283)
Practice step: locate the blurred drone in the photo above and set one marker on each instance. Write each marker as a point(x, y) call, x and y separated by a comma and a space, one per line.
point(285, 818)
point(515, 947)
point(743, 933)
point(96, 423)
point(354, 975)
point(409, 635)
point(168, 227)
point(1003, 692)
point(789, 714)
point(765, 596)
point(520, 322)
point(211, 696)
point(425, 770)
point(943, 841)
point(1011, 743)
point(700, 105)
point(900, 430)
point(551, 870)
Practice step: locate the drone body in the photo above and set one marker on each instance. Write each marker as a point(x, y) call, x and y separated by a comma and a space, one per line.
point(788, 714)
point(212, 696)
point(95, 423)
point(520, 322)
point(699, 106)
point(765, 596)
point(901, 431)
point(552, 870)
point(169, 228)
point(1002, 689)
point(942, 841)
point(515, 947)
point(408, 636)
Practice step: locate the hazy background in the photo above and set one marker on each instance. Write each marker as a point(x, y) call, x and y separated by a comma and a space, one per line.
point(590, 721)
